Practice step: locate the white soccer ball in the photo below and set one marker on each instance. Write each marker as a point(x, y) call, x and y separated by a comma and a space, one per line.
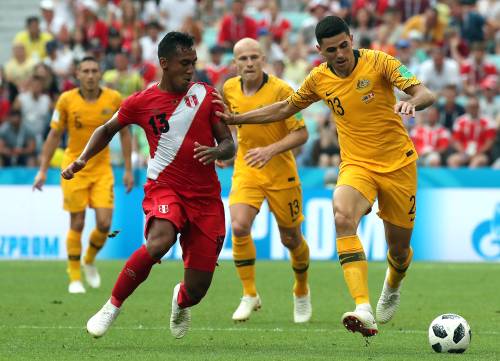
point(449, 333)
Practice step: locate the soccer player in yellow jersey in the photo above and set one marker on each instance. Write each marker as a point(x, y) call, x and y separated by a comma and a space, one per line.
point(378, 157)
point(79, 112)
point(265, 169)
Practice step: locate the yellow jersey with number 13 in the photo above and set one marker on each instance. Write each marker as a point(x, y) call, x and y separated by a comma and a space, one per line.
point(370, 134)
point(281, 171)
point(79, 118)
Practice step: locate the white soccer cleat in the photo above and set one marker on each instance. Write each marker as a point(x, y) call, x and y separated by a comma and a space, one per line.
point(180, 318)
point(91, 275)
point(360, 320)
point(98, 324)
point(76, 287)
point(302, 308)
point(388, 302)
point(245, 308)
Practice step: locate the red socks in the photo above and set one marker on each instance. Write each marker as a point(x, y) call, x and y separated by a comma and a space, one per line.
point(135, 271)
point(183, 299)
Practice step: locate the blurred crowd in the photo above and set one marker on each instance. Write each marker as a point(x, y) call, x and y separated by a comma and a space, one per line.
point(453, 46)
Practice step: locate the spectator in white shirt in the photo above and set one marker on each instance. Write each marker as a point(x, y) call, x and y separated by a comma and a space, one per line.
point(439, 71)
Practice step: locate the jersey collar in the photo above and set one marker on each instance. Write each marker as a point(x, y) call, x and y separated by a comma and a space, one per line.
point(356, 58)
point(265, 78)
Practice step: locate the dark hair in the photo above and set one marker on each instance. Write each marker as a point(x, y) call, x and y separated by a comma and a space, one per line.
point(32, 19)
point(88, 58)
point(172, 41)
point(330, 26)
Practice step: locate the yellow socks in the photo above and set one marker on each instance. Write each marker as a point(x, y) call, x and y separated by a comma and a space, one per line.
point(300, 264)
point(74, 250)
point(397, 270)
point(244, 254)
point(353, 261)
point(96, 241)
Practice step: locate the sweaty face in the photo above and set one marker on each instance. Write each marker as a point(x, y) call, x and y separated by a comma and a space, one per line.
point(337, 51)
point(249, 63)
point(89, 75)
point(179, 68)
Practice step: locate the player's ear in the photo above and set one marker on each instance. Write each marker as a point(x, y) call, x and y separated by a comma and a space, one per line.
point(163, 62)
point(318, 47)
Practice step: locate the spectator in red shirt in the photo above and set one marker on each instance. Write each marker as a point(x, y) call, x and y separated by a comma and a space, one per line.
point(236, 26)
point(473, 138)
point(430, 138)
point(276, 24)
point(92, 26)
point(475, 69)
point(216, 70)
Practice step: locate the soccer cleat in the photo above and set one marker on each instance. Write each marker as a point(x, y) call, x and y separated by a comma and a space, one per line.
point(360, 320)
point(245, 308)
point(76, 287)
point(91, 275)
point(388, 302)
point(180, 318)
point(302, 308)
point(98, 324)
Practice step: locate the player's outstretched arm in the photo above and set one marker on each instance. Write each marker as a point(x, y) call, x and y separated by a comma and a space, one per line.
point(259, 157)
point(97, 142)
point(49, 147)
point(269, 114)
point(421, 98)
point(126, 142)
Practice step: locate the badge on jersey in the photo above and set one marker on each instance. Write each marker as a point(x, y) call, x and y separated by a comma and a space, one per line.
point(55, 116)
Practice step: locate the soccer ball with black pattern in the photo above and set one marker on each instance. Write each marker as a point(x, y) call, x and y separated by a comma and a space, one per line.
point(449, 333)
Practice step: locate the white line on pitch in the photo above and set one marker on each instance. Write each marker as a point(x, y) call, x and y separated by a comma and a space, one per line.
point(228, 329)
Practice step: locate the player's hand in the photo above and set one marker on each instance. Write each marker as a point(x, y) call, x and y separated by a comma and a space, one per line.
point(128, 181)
point(73, 168)
point(204, 154)
point(258, 157)
point(39, 181)
point(405, 108)
point(226, 116)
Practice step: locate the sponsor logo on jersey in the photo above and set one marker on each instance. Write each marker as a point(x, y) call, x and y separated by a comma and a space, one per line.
point(367, 97)
point(163, 208)
point(191, 101)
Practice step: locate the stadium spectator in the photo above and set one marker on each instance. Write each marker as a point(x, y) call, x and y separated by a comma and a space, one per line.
point(363, 25)
point(176, 12)
point(376, 8)
point(296, 66)
point(33, 39)
point(122, 78)
point(17, 142)
point(4, 98)
point(409, 8)
point(59, 59)
point(50, 23)
point(473, 138)
point(114, 47)
point(318, 9)
point(49, 79)
point(392, 19)
point(406, 54)
point(18, 69)
point(92, 26)
point(277, 26)
point(236, 26)
point(439, 71)
point(428, 24)
point(216, 70)
point(450, 109)
point(129, 25)
point(149, 42)
point(35, 109)
point(465, 17)
point(431, 139)
point(489, 102)
point(475, 69)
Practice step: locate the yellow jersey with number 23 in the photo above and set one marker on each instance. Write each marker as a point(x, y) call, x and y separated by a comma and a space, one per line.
point(370, 134)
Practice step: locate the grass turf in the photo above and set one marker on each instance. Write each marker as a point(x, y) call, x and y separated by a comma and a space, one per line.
point(39, 320)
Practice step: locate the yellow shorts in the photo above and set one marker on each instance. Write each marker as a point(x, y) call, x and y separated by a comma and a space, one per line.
point(94, 191)
point(396, 191)
point(286, 204)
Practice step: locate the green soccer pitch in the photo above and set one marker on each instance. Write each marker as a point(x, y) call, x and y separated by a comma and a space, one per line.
point(39, 320)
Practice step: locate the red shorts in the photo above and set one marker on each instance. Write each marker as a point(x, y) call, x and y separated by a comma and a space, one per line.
point(199, 221)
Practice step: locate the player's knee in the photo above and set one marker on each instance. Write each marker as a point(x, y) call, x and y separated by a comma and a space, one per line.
point(77, 224)
point(239, 228)
point(291, 240)
point(344, 222)
point(103, 225)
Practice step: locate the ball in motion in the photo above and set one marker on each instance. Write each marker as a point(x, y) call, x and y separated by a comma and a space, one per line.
point(449, 333)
